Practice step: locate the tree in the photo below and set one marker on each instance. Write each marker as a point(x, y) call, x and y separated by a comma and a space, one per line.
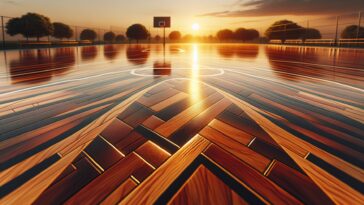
point(240, 34)
point(120, 38)
point(88, 34)
point(30, 25)
point(225, 34)
point(62, 30)
point(252, 34)
point(175, 36)
point(311, 33)
point(14, 26)
point(188, 38)
point(109, 36)
point(137, 32)
point(246, 34)
point(352, 32)
point(157, 38)
point(284, 30)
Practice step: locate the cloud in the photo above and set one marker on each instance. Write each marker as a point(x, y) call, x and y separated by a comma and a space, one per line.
point(11, 2)
point(291, 7)
point(252, 3)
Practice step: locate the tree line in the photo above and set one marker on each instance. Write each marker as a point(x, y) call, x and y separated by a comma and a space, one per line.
point(33, 25)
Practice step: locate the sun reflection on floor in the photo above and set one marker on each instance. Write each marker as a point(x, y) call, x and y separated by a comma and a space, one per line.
point(194, 86)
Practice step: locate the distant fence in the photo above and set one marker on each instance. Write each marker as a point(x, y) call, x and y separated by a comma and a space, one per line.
point(343, 42)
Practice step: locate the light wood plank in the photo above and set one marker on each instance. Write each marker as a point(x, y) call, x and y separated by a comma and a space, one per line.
point(146, 193)
point(182, 118)
point(165, 103)
point(29, 192)
point(120, 192)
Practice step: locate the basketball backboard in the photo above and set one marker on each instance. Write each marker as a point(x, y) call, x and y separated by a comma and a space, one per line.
point(162, 22)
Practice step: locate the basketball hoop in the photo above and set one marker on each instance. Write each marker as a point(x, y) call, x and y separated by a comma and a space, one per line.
point(162, 22)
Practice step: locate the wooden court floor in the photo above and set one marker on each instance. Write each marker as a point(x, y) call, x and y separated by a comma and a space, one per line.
point(194, 134)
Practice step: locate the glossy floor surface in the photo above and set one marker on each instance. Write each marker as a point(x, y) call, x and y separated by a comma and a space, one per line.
point(291, 118)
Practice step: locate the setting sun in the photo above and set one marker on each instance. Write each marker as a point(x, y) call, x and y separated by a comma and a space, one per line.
point(195, 26)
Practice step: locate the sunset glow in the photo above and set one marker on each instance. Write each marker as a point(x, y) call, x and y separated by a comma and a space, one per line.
point(195, 26)
point(210, 13)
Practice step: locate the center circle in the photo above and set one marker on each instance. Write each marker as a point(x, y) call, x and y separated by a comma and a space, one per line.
point(202, 72)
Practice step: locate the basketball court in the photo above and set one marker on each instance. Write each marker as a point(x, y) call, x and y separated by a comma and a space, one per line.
point(137, 124)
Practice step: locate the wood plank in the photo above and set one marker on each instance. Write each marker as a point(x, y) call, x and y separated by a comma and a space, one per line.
point(143, 171)
point(274, 132)
point(182, 118)
point(245, 124)
point(130, 143)
point(167, 173)
point(103, 153)
point(49, 97)
point(241, 151)
point(69, 169)
point(152, 153)
point(292, 143)
point(203, 187)
point(30, 191)
point(43, 130)
point(167, 102)
point(138, 117)
point(27, 144)
point(250, 177)
point(273, 152)
point(158, 97)
point(298, 184)
point(81, 137)
point(111, 179)
point(232, 132)
point(234, 109)
point(130, 110)
point(340, 149)
point(174, 109)
point(196, 124)
point(152, 122)
point(339, 192)
point(119, 193)
point(116, 131)
point(69, 185)
point(161, 88)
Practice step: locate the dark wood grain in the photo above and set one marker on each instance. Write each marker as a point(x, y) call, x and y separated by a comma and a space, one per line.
point(251, 177)
point(103, 152)
point(116, 131)
point(110, 180)
point(298, 184)
point(152, 153)
point(69, 185)
point(203, 187)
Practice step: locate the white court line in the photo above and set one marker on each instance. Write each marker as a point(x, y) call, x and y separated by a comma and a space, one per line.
point(179, 58)
point(61, 82)
point(315, 64)
point(221, 72)
point(344, 85)
point(132, 71)
point(73, 70)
